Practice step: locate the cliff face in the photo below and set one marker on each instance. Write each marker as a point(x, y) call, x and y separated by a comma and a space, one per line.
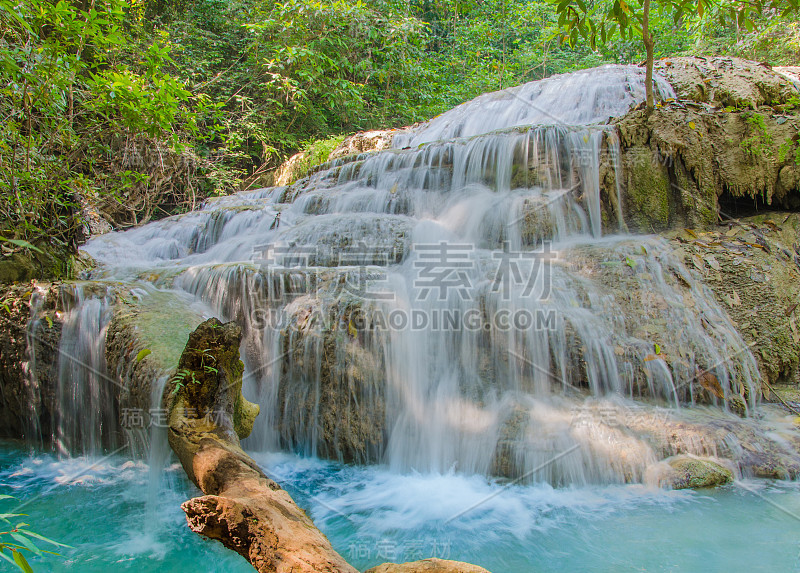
point(731, 134)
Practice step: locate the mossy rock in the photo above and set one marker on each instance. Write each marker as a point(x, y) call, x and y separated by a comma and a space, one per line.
point(50, 263)
point(694, 472)
point(208, 381)
point(648, 188)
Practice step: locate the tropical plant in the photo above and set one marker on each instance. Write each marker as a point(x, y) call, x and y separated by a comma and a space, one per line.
point(18, 541)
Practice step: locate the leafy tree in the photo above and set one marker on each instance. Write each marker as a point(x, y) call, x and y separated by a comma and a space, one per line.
point(602, 20)
point(73, 102)
point(220, 91)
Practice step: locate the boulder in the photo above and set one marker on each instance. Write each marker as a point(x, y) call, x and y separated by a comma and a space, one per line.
point(695, 472)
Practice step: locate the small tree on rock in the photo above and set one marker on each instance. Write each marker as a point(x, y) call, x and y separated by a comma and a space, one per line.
point(602, 20)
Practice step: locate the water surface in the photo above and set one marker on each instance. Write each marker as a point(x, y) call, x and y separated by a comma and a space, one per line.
point(118, 517)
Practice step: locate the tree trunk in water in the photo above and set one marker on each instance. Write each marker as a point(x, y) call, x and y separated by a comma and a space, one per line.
point(242, 507)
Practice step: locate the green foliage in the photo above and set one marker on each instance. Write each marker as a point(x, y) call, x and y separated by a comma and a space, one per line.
point(284, 73)
point(19, 541)
point(314, 154)
point(181, 378)
point(144, 353)
point(759, 141)
point(599, 22)
point(792, 144)
point(320, 151)
point(142, 109)
point(186, 376)
point(74, 100)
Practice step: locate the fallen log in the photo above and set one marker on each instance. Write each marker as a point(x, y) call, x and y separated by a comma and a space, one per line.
point(242, 508)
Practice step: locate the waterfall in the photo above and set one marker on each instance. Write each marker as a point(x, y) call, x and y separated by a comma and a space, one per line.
point(454, 301)
point(85, 416)
point(32, 428)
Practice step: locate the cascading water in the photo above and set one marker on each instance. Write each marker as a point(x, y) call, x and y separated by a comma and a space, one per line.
point(32, 432)
point(86, 418)
point(82, 414)
point(450, 302)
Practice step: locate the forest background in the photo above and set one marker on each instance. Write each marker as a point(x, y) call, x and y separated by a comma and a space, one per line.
point(141, 109)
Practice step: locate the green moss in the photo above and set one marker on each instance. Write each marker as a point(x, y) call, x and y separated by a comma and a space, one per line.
point(695, 473)
point(163, 322)
point(316, 154)
point(648, 206)
point(706, 215)
point(210, 359)
point(320, 150)
point(244, 414)
point(50, 264)
point(519, 176)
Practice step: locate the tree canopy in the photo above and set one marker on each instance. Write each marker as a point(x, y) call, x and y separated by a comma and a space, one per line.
point(600, 21)
point(142, 108)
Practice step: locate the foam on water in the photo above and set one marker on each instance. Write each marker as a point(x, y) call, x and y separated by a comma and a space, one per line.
point(374, 515)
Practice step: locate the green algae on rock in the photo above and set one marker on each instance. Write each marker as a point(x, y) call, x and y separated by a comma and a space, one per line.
point(695, 472)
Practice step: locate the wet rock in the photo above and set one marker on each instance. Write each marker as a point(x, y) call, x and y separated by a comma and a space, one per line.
point(428, 566)
point(47, 264)
point(291, 170)
point(695, 472)
point(354, 238)
point(678, 161)
point(30, 315)
point(769, 466)
point(363, 142)
point(336, 377)
point(144, 340)
point(745, 263)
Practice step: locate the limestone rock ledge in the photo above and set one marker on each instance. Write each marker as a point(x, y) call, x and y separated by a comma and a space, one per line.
point(730, 135)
